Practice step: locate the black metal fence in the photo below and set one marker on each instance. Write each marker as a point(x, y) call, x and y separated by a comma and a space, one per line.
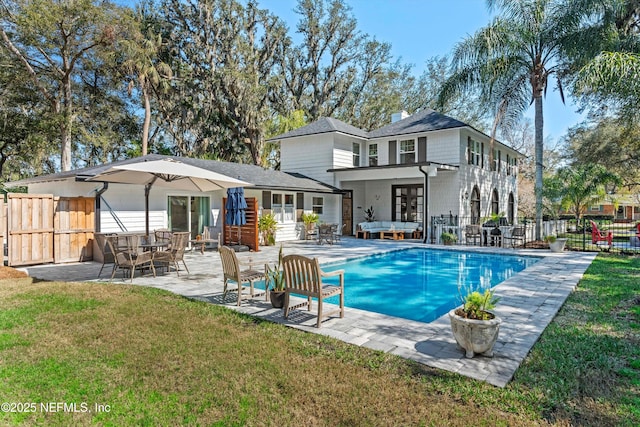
point(586, 234)
point(603, 234)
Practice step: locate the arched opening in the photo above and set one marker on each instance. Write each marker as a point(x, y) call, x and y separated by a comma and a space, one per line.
point(495, 202)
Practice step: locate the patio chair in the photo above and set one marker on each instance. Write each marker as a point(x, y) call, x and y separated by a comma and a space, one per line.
point(232, 271)
point(175, 253)
point(473, 232)
point(599, 236)
point(105, 251)
point(162, 236)
point(517, 235)
point(326, 233)
point(303, 276)
point(127, 255)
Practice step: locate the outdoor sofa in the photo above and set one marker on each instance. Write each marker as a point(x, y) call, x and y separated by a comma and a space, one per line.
point(369, 230)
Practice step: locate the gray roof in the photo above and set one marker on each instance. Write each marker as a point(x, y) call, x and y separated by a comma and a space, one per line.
point(423, 121)
point(260, 177)
point(323, 125)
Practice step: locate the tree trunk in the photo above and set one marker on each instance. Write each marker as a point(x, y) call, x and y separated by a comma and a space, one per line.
point(67, 123)
point(147, 121)
point(539, 146)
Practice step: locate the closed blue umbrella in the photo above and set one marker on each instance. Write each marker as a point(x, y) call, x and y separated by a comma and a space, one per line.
point(236, 207)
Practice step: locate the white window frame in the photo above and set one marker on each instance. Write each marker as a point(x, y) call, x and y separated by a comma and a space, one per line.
point(284, 212)
point(404, 153)
point(475, 153)
point(373, 156)
point(317, 205)
point(355, 150)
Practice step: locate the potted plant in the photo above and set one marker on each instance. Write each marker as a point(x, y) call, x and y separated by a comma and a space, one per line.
point(555, 244)
point(369, 214)
point(275, 282)
point(267, 226)
point(448, 238)
point(309, 219)
point(474, 327)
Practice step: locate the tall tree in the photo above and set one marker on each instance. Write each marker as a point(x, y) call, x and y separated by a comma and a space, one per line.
point(224, 59)
point(51, 39)
point(23, 124)
point(141, 63)
point(609, 142)
point(333, 61)
point(608, 73)
point(511, 61)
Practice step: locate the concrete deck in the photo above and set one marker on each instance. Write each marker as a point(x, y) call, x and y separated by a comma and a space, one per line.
point(529, 301)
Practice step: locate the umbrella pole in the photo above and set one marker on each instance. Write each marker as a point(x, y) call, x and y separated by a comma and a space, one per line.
point(147, 189)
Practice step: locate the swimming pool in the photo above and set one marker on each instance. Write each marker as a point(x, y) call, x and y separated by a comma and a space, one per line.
point(420, 284)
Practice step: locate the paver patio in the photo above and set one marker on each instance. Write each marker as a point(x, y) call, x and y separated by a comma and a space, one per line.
point(529, 301)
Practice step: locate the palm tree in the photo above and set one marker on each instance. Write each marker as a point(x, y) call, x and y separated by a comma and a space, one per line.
point(146, 71)
point(510, 63)
point(575, 188)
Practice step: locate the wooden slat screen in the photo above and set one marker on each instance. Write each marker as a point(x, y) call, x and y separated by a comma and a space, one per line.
point(248, 233)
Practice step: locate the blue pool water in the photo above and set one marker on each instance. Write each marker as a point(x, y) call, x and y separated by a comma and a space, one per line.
point(420, 284)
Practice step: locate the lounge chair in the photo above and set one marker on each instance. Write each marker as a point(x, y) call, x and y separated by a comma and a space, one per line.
point(599, 236)
point(303, 276)
point(175, 253)
point(232, 271)
point(517, 235)
point(128, 256)
point(473, 232)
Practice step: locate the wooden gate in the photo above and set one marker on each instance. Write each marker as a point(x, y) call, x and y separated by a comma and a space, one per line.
point(73, 228)
point(43, 229)
point(30, 229)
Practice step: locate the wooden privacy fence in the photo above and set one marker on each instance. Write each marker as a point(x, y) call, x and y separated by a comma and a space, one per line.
point(43, 229)
point(245, 234)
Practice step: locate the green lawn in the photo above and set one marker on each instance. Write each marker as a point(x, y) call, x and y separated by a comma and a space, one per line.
point(147, 357)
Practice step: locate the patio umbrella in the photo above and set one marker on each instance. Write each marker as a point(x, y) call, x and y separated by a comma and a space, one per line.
point(168, 173)
point(236, 208)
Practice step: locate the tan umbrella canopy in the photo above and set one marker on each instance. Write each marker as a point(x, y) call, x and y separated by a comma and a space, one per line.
point(167, 173)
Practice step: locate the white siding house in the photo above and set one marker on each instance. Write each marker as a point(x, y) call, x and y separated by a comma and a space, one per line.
point(419, 168)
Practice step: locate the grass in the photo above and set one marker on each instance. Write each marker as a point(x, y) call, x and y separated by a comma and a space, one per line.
point(152, 358)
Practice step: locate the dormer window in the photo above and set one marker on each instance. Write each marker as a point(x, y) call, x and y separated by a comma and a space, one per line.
point(373, 154)
point(407, 151)
point(356, 154)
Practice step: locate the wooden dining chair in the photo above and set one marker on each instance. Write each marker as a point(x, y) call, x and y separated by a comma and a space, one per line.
point(233, 271)
point(303, 276)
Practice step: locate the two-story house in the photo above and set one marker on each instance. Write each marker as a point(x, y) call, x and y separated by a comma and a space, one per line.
point(418, 168)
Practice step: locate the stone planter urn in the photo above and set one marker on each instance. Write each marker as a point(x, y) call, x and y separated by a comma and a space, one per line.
point(558, 245)
point(475, 336)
